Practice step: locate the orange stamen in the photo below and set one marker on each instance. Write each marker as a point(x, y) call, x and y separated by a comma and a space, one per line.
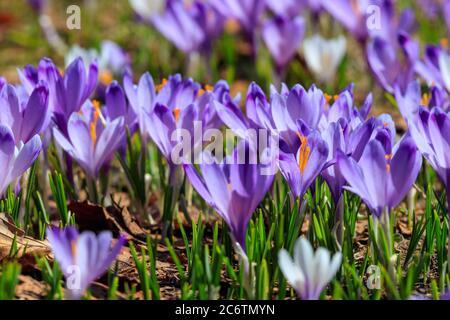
point(176, 113)
point(95, 117)
point(444, 42)
point(161, 85)
point(425, 101)
point(328, 97)
point(304, 153)
point(106, 77)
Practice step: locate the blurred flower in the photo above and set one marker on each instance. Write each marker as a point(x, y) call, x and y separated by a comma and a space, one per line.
point(83, 257)
point(190, 27)
point(324, 56)
point(282, 36)
point(37, 5)
point(15, 157)
point(68, 92)
point(147, 8)
point(383, 175)
point(116, 106)
point(25, 118)
point(287, 8)
point(435, 68)
point(112, 62)
point(247, 12)
point(91, 139)
point(309, 272)
point(233, 189)
point(389, 69)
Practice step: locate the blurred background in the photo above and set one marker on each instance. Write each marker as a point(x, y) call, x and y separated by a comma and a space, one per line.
point(30, 30)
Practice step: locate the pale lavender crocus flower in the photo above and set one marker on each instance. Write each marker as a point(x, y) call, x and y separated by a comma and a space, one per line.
point(309, 272)
point(282, 36)
point(15, 157)
point(91, 138)
point(84, 257)
point(233, 188)
point(435, 67)
point(26, 118)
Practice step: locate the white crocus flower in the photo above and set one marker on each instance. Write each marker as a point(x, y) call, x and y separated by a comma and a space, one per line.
point(444, 66)
point(323, 56)
point(309, 272)
point(147, 8)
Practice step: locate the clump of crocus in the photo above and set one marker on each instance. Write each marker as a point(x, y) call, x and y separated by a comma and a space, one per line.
point(309, 272)
point(15, 157)
point(84, 257)
point(67, 92)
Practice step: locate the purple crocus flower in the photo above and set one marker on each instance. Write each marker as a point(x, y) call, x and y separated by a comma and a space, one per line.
point(91, 138)
point(67, 93)
point(247, 12)
point(15, 158)
point(116, 106)
point(389, 69)
point(435, 68)
point(302, 169)
point(232, 188)
point(189, 27)
point(383, 175)
point(84, 257)
point(370, 18)
point(25, 118)
point(282, 36)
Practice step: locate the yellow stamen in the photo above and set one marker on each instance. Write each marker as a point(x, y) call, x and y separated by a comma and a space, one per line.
point(176, 113)
point(328, 97)
point(425, 101)
point(161, 85)
point(388, 158)
point(73, 247)
point(200, 92)
point(95, 117)
point(61, 72)
point(336, 97)
point(106, 77)
point(304, 153)
point(209, 88)
point(444, 42)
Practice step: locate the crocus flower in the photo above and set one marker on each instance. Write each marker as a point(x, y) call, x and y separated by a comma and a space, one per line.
point(435, 68)
point(302, 169)
point(247, 12)
point(15, 158)
point(66, 93)
point(309, 272)
point(282, 36)
point(232, 188)
point(84, 257)
point(389, 69)
point(370, 18)
point(383, 175)
point(190, 27)
point(323, 56)
point(25, 118)
point(91, 139)
point(430, 130)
